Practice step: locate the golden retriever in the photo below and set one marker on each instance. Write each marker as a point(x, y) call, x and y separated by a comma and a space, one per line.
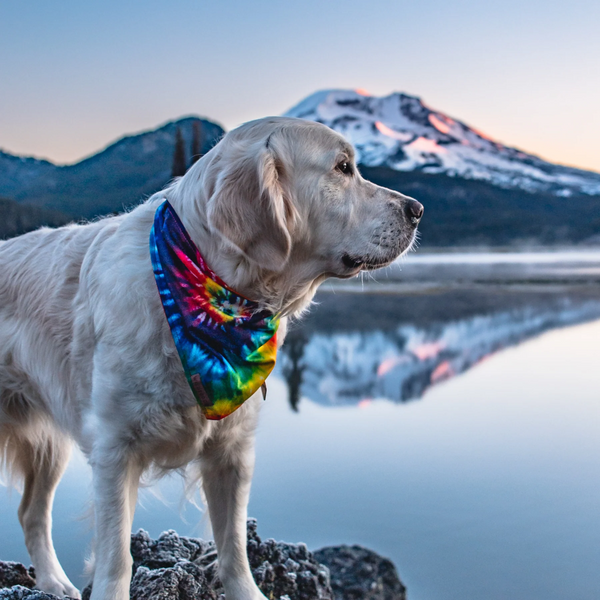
point(86, 354)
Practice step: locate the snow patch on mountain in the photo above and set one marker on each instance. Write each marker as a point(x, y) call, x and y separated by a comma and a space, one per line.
point(400, 132)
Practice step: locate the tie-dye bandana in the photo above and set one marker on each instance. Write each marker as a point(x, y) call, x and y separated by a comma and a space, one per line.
point(226, 343)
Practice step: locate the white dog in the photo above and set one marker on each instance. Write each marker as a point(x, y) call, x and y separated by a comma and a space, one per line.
point(86, 353)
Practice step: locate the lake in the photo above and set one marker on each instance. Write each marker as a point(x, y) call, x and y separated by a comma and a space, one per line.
point(447, 416)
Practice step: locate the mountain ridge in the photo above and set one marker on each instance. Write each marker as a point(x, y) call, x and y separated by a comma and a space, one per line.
point(116, 177)
point(462, 208)
point(125, 136)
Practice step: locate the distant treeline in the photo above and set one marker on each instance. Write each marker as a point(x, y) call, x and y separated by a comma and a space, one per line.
point(16, 218)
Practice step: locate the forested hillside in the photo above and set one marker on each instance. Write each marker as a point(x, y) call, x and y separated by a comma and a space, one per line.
point(18, 218)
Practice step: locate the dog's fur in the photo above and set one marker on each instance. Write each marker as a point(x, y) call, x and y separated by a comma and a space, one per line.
point(86, 353)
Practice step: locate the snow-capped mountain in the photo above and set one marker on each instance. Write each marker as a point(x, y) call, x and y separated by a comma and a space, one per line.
point(400, 132)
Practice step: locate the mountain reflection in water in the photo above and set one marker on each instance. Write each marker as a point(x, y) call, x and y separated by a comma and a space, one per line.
point(356, 347)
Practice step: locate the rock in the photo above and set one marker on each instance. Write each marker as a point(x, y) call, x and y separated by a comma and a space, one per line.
point(184, 581)
point(180, 568)
point(360, 574)
point(18, 592)
point(12, 573)
point(168, 550)
point(286, 569)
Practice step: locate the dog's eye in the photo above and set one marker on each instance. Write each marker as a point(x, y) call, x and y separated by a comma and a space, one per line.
point(345, 168)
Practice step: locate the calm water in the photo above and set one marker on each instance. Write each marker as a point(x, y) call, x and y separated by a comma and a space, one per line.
point(454, 430)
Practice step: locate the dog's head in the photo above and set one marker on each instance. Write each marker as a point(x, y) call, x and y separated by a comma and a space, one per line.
point(285, 194)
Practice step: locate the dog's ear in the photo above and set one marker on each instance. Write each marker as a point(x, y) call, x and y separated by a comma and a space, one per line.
point(249, 210)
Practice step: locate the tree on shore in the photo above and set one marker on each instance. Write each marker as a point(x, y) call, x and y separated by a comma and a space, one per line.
point(196, 141)
point(179, 160)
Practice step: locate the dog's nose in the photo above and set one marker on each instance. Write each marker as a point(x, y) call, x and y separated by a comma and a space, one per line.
point(414, 210)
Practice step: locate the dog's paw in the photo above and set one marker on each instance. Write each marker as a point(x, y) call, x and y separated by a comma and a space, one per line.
point(58, 585)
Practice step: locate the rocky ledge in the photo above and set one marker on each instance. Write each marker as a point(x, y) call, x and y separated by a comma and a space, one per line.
point(181, 568)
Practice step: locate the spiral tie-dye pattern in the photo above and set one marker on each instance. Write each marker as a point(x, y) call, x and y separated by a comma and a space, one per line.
point(227, 344)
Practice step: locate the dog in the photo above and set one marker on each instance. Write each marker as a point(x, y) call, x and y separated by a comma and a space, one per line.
point(86, 353)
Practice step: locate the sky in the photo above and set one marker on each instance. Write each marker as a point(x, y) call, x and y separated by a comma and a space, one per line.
point(75, 76)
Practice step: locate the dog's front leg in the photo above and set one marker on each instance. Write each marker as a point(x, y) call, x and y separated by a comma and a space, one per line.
point(226, 477)
point(116, 477)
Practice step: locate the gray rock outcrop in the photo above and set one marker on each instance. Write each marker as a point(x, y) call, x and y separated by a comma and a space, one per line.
point(173, 567)
point(357, 573)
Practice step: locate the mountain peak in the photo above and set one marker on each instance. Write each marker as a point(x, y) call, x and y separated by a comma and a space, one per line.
point(401, 132)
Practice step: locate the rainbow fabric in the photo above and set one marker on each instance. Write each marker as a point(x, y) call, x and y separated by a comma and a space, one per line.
point(226, 343)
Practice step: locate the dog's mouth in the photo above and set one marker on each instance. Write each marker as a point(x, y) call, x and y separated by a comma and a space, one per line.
point(356, 263)
point(352, 262)
point(360, 263)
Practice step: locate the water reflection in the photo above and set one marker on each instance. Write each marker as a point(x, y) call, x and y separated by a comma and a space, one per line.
point(418, 341)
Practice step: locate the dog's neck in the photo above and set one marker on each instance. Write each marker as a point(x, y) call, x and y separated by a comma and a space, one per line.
point(272, 290)
point(217, 255)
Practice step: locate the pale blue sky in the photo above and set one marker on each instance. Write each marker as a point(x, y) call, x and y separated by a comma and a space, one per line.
point(75, 75)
